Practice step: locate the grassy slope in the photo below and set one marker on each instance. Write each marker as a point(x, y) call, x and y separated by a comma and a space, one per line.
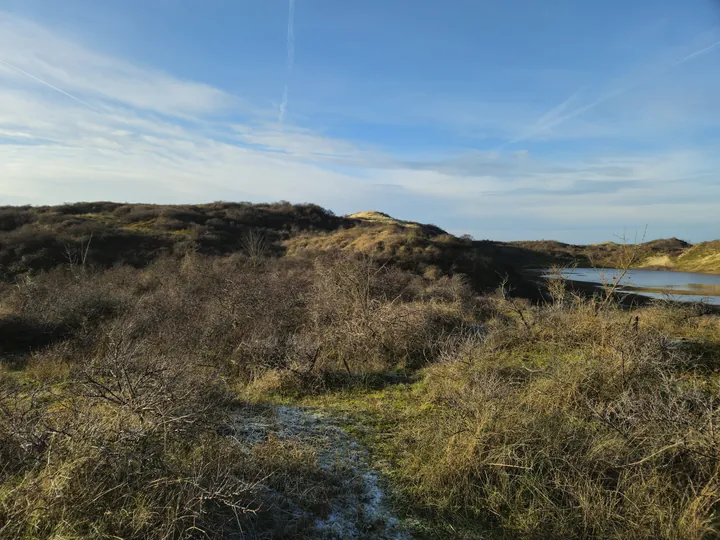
point(704, 257)
point(39, 238)
point(668, 254)
point(533, 432)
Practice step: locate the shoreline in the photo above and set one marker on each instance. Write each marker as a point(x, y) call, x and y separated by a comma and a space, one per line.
point(654, 268)
point(627, 297)
point(675, 269)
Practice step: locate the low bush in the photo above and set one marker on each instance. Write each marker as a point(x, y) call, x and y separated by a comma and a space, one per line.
point(130, 446)
point(12, 217)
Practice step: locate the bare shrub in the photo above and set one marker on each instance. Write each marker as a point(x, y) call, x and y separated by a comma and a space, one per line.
point(363, 320)
point(125, 440)
point(12, 217)
point(255, 245)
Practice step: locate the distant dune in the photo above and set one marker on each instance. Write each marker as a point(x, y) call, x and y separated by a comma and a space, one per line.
point(663, 254)
point(703, 257)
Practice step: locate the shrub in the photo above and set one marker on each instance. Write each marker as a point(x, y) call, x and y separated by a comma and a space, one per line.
point(135, 213)
point(364, 319)
point(12, 217)
point(27, 249)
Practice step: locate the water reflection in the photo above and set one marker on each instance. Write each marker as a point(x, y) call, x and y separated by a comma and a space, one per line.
point(679, 286)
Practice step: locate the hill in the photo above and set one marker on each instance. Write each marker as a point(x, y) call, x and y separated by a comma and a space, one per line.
point(703, 257)
point(380, 218)
point(40, 238)
point(664, 254)
point(105, 234)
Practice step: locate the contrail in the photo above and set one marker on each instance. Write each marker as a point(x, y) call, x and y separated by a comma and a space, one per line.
point(48, 85)
point(615, 93)
point(290, 58)
point(701, 52)
point(620, 91)
point(556, 111)
point(546, 121)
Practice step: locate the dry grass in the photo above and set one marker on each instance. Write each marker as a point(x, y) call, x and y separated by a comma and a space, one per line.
point(579, 424)
point(583, 423)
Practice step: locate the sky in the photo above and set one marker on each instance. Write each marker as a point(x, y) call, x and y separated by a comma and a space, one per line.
point(506, 119)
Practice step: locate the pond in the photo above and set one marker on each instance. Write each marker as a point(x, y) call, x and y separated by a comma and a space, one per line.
point(678, 286)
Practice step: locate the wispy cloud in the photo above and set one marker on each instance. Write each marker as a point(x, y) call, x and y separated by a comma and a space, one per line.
point(547, 120)
point(290, 60)
point(560, 114)
point(63, 64)
point(299, 143)
point(701, 52)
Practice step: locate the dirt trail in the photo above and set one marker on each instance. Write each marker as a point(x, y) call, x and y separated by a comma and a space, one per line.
point(360, 511)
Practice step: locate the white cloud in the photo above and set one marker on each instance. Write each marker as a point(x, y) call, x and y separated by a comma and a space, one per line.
point(295, 141)
point(95, 78)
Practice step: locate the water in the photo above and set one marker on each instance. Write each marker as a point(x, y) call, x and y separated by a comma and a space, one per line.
point(678, 286)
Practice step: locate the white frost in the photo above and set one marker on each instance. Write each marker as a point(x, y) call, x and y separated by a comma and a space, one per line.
point(360, 511)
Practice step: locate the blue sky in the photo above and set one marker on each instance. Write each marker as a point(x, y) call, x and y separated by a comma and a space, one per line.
point(512, 119)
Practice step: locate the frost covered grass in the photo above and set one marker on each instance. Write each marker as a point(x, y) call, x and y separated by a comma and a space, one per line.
point(357, 508)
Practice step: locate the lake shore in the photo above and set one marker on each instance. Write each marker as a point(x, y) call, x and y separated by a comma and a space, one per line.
point(629, 295)
point(661, 268)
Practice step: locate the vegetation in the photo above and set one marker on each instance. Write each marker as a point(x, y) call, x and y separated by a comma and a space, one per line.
point(666, 254)
point(34, 239)
point(578, 424)
point(40, 238)
point(138, 383)
point(703, 257)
